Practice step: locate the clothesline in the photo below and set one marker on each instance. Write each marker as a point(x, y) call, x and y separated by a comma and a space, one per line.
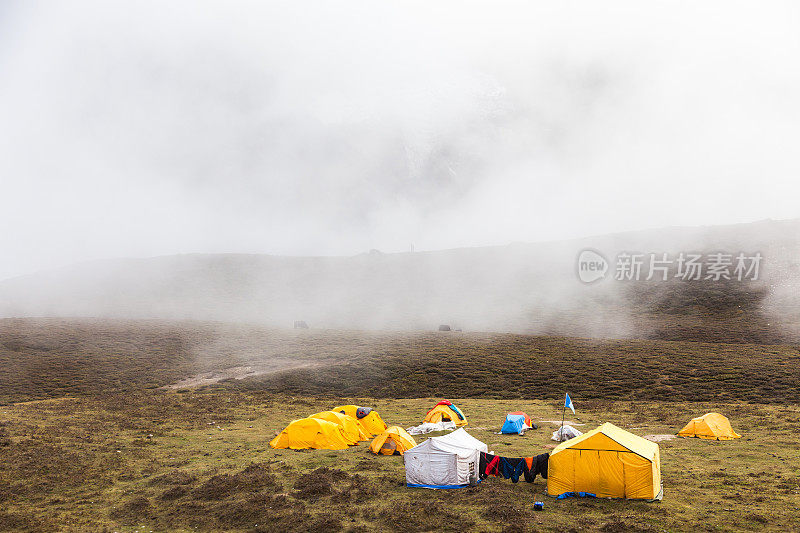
point(513, 467)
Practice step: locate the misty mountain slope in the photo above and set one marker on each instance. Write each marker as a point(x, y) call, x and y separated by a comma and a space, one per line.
point(531, 288)
point(50, 358)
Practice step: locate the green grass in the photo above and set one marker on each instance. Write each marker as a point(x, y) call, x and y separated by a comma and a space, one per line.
point(200, 461)
point(111, 450)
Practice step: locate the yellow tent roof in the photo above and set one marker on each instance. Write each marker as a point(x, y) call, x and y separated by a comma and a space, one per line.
point(350, 425)
point(311, 433)
point(398, 436)
point(349, 410)
point(711, 426)
point(610, 437)
point(372, 423)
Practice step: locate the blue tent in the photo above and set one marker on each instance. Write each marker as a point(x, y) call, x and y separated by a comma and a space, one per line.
point(514, 424)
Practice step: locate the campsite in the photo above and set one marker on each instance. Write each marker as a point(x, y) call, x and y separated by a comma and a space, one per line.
point(399, 267)
point(194, 459)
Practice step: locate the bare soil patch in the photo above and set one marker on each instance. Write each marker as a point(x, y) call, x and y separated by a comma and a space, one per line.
point(659, 438)
point(558, 422)
point(240, 372)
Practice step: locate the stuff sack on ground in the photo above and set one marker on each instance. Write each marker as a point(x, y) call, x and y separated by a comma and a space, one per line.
point(565, 433)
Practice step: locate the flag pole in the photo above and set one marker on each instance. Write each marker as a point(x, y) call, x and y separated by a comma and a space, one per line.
point(563, 410)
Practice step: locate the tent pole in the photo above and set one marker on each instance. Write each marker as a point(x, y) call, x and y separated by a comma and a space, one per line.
point(563, 409)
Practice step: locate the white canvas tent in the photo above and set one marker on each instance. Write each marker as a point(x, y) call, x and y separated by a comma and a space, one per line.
point(446, 462)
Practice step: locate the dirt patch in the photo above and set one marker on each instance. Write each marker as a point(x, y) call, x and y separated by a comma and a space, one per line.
point(620, 526)
point(5, 438)
point(174, 493)
point(659, 438)
point(240, 372)
point(252, 478)
point(360, 489)
point(318, 483)
point(425, 515)
point(176, 477)
point(133, 510)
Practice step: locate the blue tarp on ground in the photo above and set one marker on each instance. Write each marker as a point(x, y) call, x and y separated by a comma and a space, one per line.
point(514, 424)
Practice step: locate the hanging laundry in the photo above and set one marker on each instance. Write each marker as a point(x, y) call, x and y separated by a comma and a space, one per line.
point(488, 465)
point(536, 466)
point(511, 468)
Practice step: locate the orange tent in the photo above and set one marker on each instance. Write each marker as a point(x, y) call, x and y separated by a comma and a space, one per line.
point(710, 426)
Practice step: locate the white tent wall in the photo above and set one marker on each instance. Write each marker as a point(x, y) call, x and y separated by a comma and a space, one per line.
point(432, 467)
point(464, 439)
point(444, 462)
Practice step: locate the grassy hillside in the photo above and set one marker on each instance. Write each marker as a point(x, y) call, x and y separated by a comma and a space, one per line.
point(199, 461)
point(517, 366)
point(52, 358)
point(47, 358)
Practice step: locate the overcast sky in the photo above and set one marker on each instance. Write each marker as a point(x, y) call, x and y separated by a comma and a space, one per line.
point(299, 127)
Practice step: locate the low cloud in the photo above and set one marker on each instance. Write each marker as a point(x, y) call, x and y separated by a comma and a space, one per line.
point(314, 128)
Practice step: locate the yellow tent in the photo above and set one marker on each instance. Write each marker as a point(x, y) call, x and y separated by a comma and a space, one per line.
point(446, 411)
point(712, 426)
point(394, 439)
point(369, 419)
point(311, 433)
point(354, 431)
point(608, 462)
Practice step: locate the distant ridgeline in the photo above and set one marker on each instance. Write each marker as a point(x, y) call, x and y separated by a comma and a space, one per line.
point(523, 288)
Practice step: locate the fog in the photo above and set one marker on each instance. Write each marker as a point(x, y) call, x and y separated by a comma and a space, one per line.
point(314, 128)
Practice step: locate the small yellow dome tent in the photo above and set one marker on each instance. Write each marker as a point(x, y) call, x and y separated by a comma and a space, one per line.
point(445, 410)
point(711, 426)
point(311, 433)
point(369, 419)
point(354, 431)
point(608, 462)
point(394, 439)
